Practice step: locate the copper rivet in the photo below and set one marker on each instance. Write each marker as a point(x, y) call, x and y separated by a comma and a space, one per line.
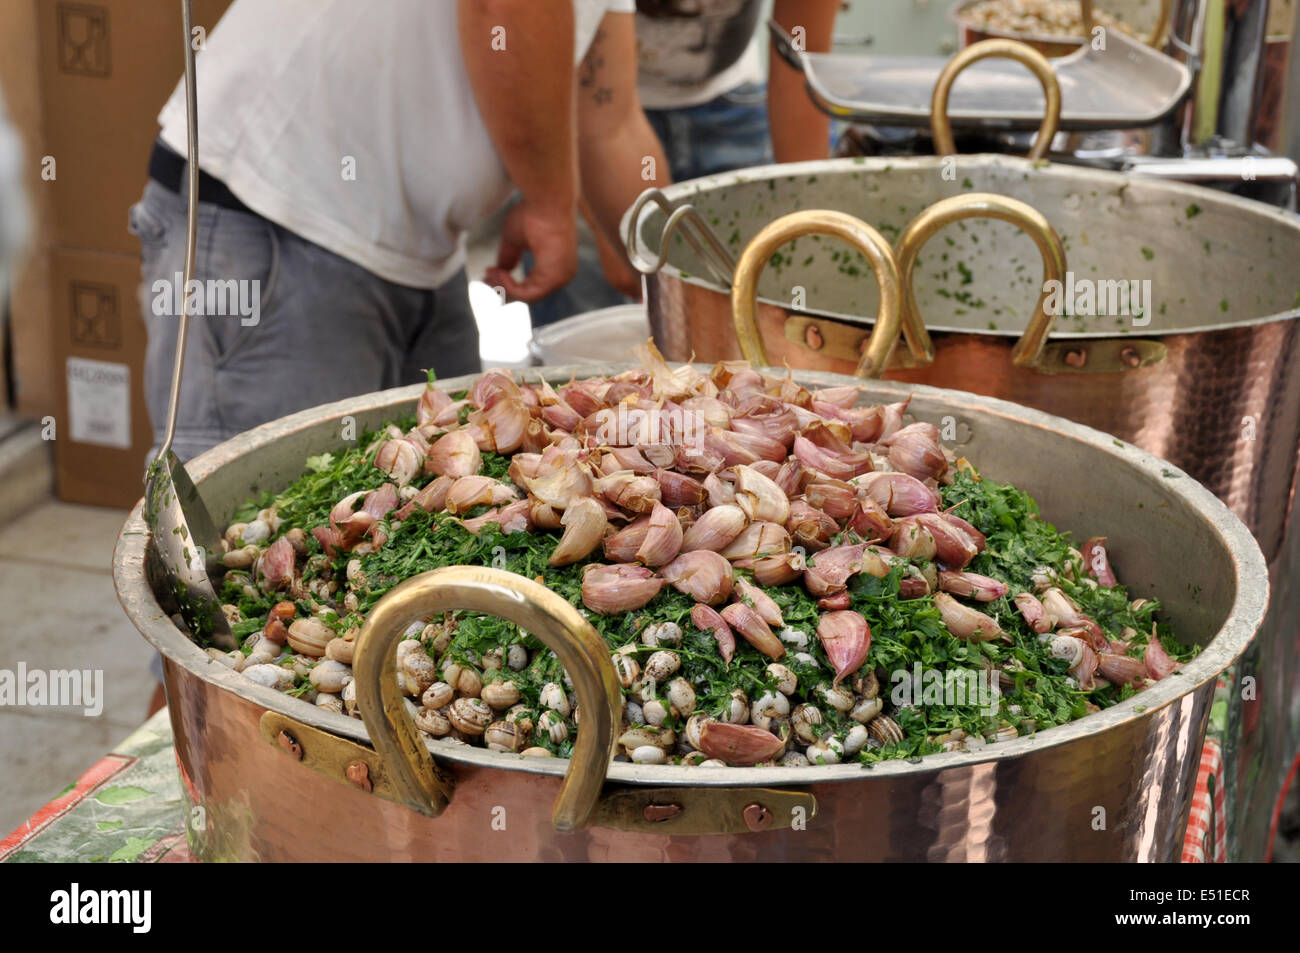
point(358, 775)
point(1076, 358)
point(813, 337)
point(661, 812)
point(290, 744)
point(757, 817)
point(1130, 356)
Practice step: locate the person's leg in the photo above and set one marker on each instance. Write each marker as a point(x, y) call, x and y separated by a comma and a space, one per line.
point(730, 132)
point(159, 221)
point(441, 335)
point(316, 327)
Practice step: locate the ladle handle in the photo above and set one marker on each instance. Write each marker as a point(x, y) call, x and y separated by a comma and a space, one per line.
point(191, 224)
point(418, 782)
point(1029, 349)
point(744, 293)
point(941, 125)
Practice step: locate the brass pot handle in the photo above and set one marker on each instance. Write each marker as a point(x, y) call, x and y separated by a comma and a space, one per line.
point(744, 291)
point(416, 779)
point(1029, 349)
point(941, 125)
point(1157, 32)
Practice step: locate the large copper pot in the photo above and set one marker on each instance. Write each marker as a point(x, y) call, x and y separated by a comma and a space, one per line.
point(279, 779)
point(1209, 378)
point(970, 31)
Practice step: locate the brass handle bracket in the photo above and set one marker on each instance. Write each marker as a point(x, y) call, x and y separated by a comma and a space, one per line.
point(704, 810)
point(345, 761)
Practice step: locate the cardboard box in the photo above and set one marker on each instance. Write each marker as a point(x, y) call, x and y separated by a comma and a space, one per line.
point(103, 431)
point(84, 81)
point(106, 68)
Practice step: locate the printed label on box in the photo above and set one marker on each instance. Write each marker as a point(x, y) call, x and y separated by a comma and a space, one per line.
point(99, 402)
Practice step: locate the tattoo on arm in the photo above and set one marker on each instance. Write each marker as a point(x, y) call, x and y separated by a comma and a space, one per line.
point(591, 73)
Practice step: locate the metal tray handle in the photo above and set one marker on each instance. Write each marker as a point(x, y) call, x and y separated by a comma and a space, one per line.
point(941, 126)
point(1029, 349)
point(692, 226)
point(416, 779)
point(744, 293)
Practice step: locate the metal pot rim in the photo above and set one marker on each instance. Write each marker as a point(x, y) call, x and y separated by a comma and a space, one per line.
point(1247, 612)
point(1104, 178)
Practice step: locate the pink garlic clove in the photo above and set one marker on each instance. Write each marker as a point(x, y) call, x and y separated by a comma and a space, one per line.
point(678, 489)
point(761, 602)
point(899, 493)
point(1032, 611)
point(915, 454)
point(835, 498)
point(1157, 661)
point(810, 527)
point(431, 499)
point(846, 639)
point(471, 491)
point(1098, 562)
point(759, 496)
point(741, 745)
point(758, 540)
point(976, 536)
point(584, 527)
point(431, 402)
point(400, 459)
point(663, 540)
point(1121, 669)
point(637, 494)
point(622, 546)
point(708, 620)
point(609, 590)
point(840, 600)
point(750, 625)
point(703, 575)
point(715, 530)
point(912, 540)
point(972, 585)
point(774, 570)
point(963, 622)
point(454, 454)
point(952, 546)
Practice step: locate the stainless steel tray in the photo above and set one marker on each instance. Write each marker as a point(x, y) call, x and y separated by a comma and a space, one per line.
point(1126, 86)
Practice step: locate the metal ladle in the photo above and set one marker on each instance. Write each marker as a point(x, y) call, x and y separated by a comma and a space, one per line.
point(186, 541)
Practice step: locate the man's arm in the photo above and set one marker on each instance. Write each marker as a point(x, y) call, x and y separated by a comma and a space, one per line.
point(799, 129)
point(525, 93)
point(619, 154)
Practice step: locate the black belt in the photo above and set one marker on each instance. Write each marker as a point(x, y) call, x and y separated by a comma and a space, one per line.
point(167, 168)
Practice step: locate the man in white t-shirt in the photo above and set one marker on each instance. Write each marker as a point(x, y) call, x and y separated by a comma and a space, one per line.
point(701, 82)
point(346, 149)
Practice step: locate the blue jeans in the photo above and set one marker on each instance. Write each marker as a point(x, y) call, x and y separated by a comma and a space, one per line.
point(730, 132)
point(323, 327)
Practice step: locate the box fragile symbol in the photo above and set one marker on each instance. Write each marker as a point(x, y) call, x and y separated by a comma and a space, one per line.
point(83, 39)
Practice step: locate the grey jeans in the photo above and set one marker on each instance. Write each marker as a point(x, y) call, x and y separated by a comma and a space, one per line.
point(301, 325)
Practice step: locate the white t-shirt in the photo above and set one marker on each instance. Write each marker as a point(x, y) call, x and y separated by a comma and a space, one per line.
point(692, 51)
point(354, 125)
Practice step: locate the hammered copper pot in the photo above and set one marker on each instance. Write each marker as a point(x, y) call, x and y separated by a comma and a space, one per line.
point(280, 779)
point(1208, 377)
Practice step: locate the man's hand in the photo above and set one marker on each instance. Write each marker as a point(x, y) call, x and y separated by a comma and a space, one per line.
point(551, 235)
point(525, 95)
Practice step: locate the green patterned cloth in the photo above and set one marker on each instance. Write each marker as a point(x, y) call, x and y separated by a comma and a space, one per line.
point(128, 807)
